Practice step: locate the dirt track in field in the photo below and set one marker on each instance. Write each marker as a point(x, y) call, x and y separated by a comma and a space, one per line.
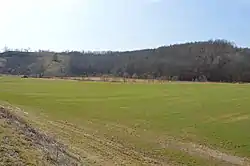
point(89, 149)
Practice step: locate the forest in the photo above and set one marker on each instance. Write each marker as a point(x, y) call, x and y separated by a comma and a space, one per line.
point(213, 60)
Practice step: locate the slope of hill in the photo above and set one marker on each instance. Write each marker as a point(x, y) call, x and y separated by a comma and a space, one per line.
point(217, 60)
point(21, 144)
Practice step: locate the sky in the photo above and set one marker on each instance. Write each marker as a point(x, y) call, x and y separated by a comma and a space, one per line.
point(120, 24)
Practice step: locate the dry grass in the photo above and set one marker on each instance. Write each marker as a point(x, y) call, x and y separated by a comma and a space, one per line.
point(21, 144)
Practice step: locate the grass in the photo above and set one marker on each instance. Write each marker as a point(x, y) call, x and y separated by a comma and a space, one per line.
point(15, 150)
point(143, 116)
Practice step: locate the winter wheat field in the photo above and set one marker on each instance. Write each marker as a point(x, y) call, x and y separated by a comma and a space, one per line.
point(65, 122)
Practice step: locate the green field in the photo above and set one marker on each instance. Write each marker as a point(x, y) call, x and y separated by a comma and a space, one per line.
point(135, 124)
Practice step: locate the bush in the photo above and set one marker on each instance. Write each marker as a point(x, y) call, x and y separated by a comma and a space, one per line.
point(175, 78)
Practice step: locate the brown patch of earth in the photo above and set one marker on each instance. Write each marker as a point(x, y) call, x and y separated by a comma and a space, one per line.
point(237, 118)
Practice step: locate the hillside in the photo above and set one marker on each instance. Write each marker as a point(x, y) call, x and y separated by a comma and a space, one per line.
point(217, 60)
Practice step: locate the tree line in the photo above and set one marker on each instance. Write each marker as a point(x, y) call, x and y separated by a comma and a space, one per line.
point(213, 60)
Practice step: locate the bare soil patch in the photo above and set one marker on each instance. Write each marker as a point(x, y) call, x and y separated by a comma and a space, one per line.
point(238, 118)
point(207, 153)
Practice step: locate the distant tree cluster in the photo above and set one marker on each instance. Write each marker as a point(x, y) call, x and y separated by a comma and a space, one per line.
point(213, 60)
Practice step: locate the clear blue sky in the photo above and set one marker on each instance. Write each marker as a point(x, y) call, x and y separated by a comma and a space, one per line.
point(120, 24)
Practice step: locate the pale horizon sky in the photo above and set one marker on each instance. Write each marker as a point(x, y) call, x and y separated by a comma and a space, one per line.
point(120, 24)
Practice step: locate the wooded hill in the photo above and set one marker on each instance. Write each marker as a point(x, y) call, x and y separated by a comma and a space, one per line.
point(214, 60)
